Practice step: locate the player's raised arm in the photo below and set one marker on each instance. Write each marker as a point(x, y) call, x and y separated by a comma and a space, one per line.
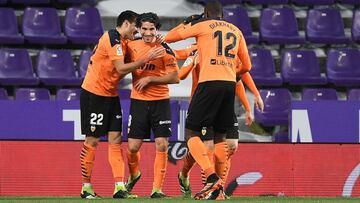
point(183, 31)
point(188, 65)
point(182, 54)
point(125, 68)
point(170, 78)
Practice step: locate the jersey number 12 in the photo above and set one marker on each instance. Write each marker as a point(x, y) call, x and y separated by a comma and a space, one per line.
point(229, 36)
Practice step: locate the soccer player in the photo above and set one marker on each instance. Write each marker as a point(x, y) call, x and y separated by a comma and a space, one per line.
point(150, 104)
point(212, 105)
point(232, 136)
point(99, 101)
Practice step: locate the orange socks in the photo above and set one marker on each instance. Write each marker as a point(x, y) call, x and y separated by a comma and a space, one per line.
point(160, 164)
point(228, 165)
point(116, 161)
point(199, 152)
point(87, 157)
point(133, 163)
point(221, 155)
point(211, 157)
point(189, 162)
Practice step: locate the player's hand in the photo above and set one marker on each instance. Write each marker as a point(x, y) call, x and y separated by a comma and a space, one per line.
point(248, 118)
point(192, 18)
point(259, 103)
point(153, 53)
point(196, 58)
point(159, 38)
point(142, 83)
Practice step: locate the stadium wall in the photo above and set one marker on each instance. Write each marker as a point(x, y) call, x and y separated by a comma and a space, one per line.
point(52, 168)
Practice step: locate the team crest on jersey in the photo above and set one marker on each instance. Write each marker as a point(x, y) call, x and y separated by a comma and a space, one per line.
point(203, 131)
point(92, 128)
point(119, 51)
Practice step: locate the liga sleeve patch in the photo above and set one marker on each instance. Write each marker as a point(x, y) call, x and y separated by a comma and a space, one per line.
point(119, 51)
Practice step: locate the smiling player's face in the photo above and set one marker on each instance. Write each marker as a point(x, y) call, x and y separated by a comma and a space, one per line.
point(148, 32)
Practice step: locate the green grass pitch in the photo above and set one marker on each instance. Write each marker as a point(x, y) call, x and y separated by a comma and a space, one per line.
point(180, 200)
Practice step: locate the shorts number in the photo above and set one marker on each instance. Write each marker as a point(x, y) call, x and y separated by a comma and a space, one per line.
point(96, 119)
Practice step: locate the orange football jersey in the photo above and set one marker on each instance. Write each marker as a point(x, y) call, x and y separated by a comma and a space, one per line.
point(158, 67)
point(102, 77)
point(219, 43)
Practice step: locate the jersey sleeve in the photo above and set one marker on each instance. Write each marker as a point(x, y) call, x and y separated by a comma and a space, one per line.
point(183, 32)
point(182, 54)
point(187, 67)
point(243, 55)
point(114, 48)
point(240, 92)
point(249, 82)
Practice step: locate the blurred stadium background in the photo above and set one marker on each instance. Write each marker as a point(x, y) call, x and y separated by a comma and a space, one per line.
point(306, 64)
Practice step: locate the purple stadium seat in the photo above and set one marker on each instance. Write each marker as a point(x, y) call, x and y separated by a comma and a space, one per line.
point(32, 94)
point(343, 67)
point(68, 94)
point(313, 2)
point(83, 25)
point(9, 32)
point(315, 94)
point(3, 94)
point(301, 67)
point(84, 61)
point(42, 26)
point(223, 2)
point(268, 2)
point(239, 17)
point(354, 95)
point(56, 67)
point(355, 28)
point(30, 1)
point(279, 26)
point(325, 26)
point(353, 2)
point(16, 68)
point(263, 68)
point(276, 107)
point(77, 1)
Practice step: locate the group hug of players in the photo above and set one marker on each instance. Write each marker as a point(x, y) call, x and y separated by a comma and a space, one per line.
point(218, 62)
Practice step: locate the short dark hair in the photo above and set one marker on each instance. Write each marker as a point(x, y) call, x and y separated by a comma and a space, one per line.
point(213, 8)
point(148, 17)
point(126, 15)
